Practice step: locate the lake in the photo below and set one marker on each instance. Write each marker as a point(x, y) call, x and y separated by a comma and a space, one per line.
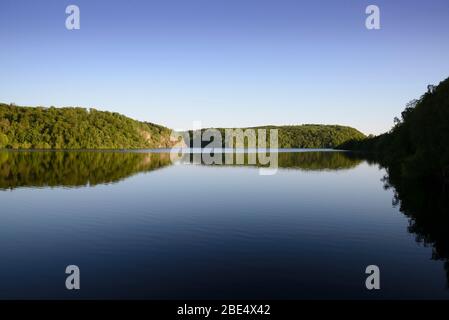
point(139, 226)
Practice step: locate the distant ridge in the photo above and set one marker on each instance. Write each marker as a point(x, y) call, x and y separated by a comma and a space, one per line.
point(81, 128)
point(310, 136)
point(76, 128)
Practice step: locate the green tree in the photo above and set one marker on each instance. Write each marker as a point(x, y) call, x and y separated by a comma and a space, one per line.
point(3, 140)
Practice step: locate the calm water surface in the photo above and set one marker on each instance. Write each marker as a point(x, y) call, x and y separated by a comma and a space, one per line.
point(139, 227)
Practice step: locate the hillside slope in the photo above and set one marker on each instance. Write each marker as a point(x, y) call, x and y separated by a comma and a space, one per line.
point(418, 144)
point(76, 128)
point(315, 135)
point(80, 128)
point(305, 136)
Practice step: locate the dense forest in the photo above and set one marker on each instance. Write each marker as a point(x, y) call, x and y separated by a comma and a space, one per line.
point(418, 144)
point(80, 128)
point(301, 136)
point(76, 128)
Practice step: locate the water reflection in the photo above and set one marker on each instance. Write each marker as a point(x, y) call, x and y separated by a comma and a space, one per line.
point(78, 169)
point(426, 204)
point(272, 232)
point(73, 169)
point(305, 161)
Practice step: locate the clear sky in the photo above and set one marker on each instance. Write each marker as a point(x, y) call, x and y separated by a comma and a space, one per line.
point(226, 62)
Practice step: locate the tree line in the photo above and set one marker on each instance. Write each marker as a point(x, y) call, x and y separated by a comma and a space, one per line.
point(81, 128)
point(76, 128)
point(418, 144)
point(308, 136)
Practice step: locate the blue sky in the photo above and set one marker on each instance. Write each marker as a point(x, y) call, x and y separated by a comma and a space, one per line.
point(226, 62)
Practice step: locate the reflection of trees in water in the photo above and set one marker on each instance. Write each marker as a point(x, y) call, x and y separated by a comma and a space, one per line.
point(318, 161)
point(77, 169)
point(73, 169)
point(426, 204)
point(307, 161)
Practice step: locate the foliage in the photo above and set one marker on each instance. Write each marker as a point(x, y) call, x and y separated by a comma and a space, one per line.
point(419, 142)
point(312, 136)
point(80, 128)
point(3, 140)
point(75, 128)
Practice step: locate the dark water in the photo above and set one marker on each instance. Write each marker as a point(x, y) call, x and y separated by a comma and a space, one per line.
point(139, 227)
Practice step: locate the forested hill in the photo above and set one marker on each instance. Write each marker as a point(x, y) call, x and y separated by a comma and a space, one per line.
point(76, 128)
point(79, 128)
point(418, 144)
point(315, 135)
point(302, 136)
